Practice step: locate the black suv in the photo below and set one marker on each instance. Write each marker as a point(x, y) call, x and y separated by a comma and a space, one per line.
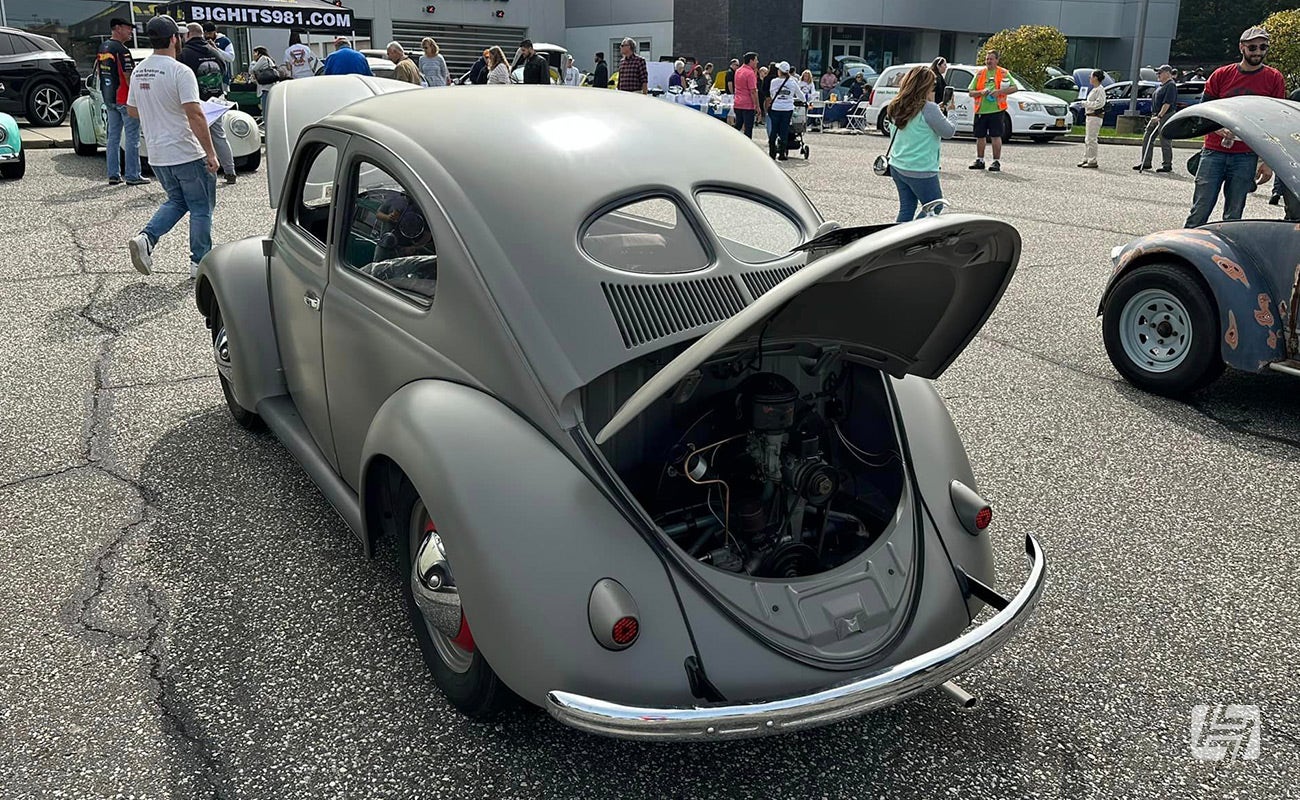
point(37, 79)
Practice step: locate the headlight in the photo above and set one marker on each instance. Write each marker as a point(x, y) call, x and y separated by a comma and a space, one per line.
point(240, 128)
point(1030, 106)
point(1115, 251)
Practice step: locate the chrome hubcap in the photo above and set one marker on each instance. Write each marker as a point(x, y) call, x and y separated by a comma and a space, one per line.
point(221, 352)
point(1155, 330)
point(436, 595)
point(49, 104)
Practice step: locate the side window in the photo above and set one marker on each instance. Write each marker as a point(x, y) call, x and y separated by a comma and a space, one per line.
point(6, 44)
point(314, 193)
point(388, 236)
point(1115, 92)
point(959, 79)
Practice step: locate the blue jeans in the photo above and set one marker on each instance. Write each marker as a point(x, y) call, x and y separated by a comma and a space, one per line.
point(190, 188)
point(912, 191)
point(122, 124)
point(778, 130)
point(1233, 173)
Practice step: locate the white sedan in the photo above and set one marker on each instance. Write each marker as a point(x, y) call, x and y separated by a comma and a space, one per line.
point(1038, 116)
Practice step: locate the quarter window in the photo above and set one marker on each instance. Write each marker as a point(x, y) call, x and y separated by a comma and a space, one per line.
point(650, 236)
point(388, 236)
point(315, 195)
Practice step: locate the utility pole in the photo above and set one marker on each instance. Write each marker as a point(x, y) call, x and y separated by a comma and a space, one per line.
point(1128, 123)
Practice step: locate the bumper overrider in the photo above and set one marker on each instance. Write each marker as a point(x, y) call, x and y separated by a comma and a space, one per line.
point(882, 688)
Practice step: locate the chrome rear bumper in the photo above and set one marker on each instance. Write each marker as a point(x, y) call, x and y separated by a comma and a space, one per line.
point(885, 687)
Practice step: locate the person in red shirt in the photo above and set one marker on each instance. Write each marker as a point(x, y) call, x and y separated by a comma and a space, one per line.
point(746, 99)
point(1226, 164)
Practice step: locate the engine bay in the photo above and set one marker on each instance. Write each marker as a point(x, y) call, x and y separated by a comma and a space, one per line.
point(779, 473)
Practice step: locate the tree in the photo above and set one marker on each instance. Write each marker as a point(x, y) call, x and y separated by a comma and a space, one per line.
point(1208, 29)
point(1284, 44)
point(1028, 50)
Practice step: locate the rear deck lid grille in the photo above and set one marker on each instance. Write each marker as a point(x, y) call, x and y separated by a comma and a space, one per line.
point(646, 312)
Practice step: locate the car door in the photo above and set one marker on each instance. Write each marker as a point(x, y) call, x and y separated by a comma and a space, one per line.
point(963, 109)
point(299, 276)
point(11, 76)
point(380, 317)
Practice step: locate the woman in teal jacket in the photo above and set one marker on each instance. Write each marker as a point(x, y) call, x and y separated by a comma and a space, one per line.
point(916, 124)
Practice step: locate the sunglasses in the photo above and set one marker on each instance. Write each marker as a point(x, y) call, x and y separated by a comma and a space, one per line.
point(1256, 48)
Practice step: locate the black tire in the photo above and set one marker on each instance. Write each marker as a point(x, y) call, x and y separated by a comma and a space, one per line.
point(1006, 127)
point(78, 146)
point(880, 124)
point(476, 692)
point(248, 420)
point(47, 105)
point(15, 169)
point(250, 162)
point(1201, 364)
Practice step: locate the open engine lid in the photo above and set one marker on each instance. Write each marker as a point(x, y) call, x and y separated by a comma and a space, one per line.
point(295, 105)
point(1268, 125)
point(910, 297)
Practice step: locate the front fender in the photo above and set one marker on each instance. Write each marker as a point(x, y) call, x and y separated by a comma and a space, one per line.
point(1249, 319)
point(245, 144)
point(528, 535)
point(939, 458)
point(13, 140)
point(234, 276)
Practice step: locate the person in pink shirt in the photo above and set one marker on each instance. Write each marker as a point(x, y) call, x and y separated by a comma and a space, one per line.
point(746, 100)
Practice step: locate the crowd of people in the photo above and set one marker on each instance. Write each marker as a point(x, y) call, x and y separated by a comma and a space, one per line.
point(191, 65)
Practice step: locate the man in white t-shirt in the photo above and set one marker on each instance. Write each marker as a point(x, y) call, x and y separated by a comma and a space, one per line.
point(299, 58)
point(165, 96)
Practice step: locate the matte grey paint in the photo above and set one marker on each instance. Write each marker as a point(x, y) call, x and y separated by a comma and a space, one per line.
point(234, 275)
point(282, 418)
point(1269, 125)
point(608, 604)
point(909, 298)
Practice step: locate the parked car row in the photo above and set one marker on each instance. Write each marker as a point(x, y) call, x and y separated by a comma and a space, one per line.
point(1119, 96)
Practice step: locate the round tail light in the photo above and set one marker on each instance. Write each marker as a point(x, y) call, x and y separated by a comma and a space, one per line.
point(983, 517)
point(625, 631)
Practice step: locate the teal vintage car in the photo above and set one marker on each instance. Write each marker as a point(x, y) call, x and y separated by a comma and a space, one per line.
point(13, 162)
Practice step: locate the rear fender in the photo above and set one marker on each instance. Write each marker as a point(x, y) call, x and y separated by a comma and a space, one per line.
point(939, 458)
point(528, 536)
point(234, 276)
point(1250, 321)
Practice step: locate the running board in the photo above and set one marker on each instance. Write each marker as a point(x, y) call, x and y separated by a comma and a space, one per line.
point(282, 417)
point(1291, 368)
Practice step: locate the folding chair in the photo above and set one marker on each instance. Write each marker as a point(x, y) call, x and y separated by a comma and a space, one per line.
point(856, 121)
point(816, 115)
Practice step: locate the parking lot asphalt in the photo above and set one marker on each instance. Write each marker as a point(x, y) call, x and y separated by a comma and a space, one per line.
point(183, 615)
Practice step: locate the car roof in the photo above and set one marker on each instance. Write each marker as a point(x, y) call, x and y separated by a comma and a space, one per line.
point(520, 217)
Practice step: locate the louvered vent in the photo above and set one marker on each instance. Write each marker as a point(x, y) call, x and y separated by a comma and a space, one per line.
point(646, 312)
point(760, 283)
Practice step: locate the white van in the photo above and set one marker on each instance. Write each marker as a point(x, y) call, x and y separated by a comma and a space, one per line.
point(1040, 117)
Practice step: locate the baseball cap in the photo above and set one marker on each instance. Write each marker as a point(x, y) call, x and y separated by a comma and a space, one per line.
point(1253, 33)
point(115, 21)
point(1166, 68)
point(783, 66)
point(161, 29)
point(340, 40)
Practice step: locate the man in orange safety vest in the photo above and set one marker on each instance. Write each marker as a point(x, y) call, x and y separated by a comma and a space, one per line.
point(988, 91)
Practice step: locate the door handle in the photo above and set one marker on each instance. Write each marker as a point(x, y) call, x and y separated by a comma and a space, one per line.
point(312, 300)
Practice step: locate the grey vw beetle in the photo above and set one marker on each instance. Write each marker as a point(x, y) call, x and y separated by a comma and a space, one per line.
point(658, 448)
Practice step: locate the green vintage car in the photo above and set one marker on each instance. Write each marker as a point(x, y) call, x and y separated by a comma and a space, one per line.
point(13, 162)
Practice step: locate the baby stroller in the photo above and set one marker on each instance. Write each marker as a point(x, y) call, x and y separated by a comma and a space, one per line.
point(798, 126)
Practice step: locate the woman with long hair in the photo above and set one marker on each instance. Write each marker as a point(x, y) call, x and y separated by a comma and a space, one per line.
point(432, 65)
point(498, 72)
point(939, 67)
point(807, 86)
point(916, 125)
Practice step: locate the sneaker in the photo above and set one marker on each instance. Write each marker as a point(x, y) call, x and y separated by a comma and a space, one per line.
point(114, 181)
point(996, 166)
point(1089, 165)
point(230, 178)
point(979, 164)
point(194, 270)
point(141, 181)
point(141, 253)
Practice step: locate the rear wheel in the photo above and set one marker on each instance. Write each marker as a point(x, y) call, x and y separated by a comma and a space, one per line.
point(244, 418)
point(433, 604)
point(1006, 126)
point(79, 147)
point(880, 123)
point(47, 105)
point(15, 169)
point(1161, 331)
point(250, 162)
